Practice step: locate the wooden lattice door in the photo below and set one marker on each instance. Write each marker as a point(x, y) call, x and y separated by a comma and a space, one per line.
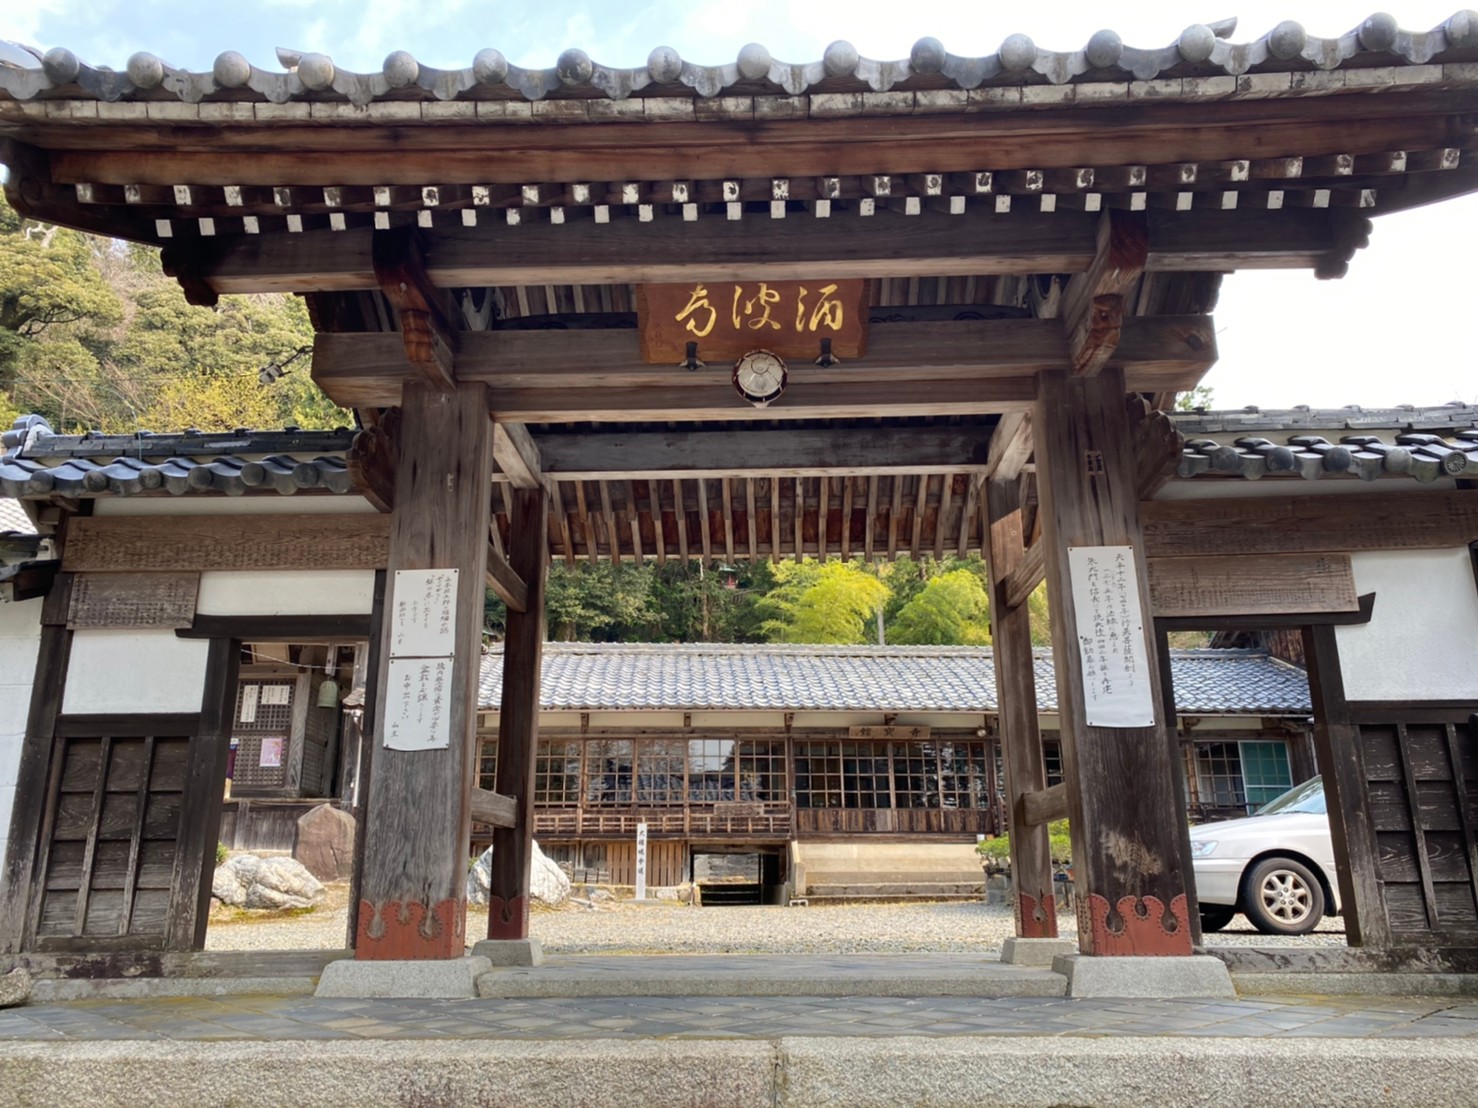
point(1421, 778)
point(110, 860)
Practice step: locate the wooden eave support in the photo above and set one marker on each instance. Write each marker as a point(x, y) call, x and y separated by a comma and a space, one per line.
point(1010, 446)
point(426, 333)
point(493, 809)
point(1093, 304)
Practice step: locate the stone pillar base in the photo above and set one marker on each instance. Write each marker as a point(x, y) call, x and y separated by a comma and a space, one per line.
point(510, 952)
point(1017, 951)
point(452, 978)
point(1192, 975)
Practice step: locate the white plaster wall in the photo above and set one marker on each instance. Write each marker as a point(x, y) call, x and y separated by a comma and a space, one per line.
point(268, 593)
point(1422, 640)
point(20, 638)
point(134, 671)
point(231, 506)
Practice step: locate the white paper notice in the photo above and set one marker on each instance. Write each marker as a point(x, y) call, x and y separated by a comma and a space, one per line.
point(417, 704)
point(1116, 679)
point(249, 703)
point(277, 694)
point(424, 623)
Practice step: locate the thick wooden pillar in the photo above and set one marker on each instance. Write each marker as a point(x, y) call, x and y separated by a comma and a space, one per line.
point(1131, 869)
point(518, 722)
point(412, 894)
point(1016, 694)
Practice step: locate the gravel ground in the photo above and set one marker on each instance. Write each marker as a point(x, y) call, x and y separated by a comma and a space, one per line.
point(625, 927)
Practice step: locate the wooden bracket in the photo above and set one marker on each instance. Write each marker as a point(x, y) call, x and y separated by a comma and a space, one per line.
point(187, 268)
point(1157, 446)
point(1022, 581)
point(1010, 446)
point(371, 461)
point(425, 317)
point(1093, 303)
point(517, 455)
point(510, 587)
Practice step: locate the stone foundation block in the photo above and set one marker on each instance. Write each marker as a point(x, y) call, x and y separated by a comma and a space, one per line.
point(1195, 975)
point(452, 978)
point(510, 952)
point(1017, 951)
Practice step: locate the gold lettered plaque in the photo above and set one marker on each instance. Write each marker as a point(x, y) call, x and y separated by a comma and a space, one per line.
point(727, 319)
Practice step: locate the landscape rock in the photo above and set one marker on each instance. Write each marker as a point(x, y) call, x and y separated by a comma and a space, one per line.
point(548, 884)
point(247, 881)
point(15, 987)
point(324, 843)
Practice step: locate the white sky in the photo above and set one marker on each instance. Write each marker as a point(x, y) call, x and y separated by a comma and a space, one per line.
point(1398, 329)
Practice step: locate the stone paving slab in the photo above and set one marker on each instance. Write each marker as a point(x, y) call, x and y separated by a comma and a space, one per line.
point(894, 975)
point(789, 1071)
point(263, 1019)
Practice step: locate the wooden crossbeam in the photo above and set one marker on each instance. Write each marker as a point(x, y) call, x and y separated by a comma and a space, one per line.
point(955, 368)
point(517, 455)
point(1044, 805)
point(973, 244)
point(493, 809)
point(1010, 446)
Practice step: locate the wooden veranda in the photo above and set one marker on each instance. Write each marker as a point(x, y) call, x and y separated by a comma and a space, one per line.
point(1037, 241)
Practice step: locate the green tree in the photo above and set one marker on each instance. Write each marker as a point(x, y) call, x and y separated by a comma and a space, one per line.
point(951, 609)
point(830, 602)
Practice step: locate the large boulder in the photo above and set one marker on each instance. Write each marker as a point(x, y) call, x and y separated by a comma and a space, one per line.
point(324, 842)
point(15, 987)
point(547, 882)
point(247, 881)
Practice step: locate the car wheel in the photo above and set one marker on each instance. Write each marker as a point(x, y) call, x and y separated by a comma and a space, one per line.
point(1283, 897)
point(1216, 916)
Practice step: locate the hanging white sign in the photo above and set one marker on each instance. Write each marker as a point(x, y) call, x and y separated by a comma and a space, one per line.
point(1117, 690)
point(418, 704)
point(424, 620)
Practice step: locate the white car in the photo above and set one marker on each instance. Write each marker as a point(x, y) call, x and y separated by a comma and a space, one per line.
point(1276, 867)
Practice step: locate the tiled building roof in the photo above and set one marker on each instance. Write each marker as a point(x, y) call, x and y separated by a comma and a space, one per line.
point(37, 462)
point(743, 677)
point(13, 518)
point(1293, 59)
point(1424, 443)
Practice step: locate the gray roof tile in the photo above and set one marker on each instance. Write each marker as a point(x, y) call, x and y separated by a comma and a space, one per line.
point(744, 677)
point(13, 518)
point(1201, 51)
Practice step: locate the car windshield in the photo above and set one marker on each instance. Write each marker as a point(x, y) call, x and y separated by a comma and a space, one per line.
point(1307, 798)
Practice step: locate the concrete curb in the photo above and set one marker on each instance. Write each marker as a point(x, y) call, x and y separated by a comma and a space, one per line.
point(550, 982)
point(1026, 1071)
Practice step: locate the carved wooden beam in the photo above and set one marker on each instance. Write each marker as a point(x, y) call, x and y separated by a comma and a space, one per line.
point(503, 580)
point(428, 338)
point(1093, 304)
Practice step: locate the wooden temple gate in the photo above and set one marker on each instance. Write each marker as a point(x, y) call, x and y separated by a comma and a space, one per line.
point(869, 321)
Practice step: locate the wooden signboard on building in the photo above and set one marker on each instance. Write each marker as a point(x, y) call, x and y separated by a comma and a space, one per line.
point(115, 600)
point(728, 319)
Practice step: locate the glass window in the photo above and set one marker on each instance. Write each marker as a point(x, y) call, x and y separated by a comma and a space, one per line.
point(1266, 774)
point(608, 772)
point(659, 771)
point(557, 773)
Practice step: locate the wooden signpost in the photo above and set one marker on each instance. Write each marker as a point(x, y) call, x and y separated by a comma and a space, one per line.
point(727, 319)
